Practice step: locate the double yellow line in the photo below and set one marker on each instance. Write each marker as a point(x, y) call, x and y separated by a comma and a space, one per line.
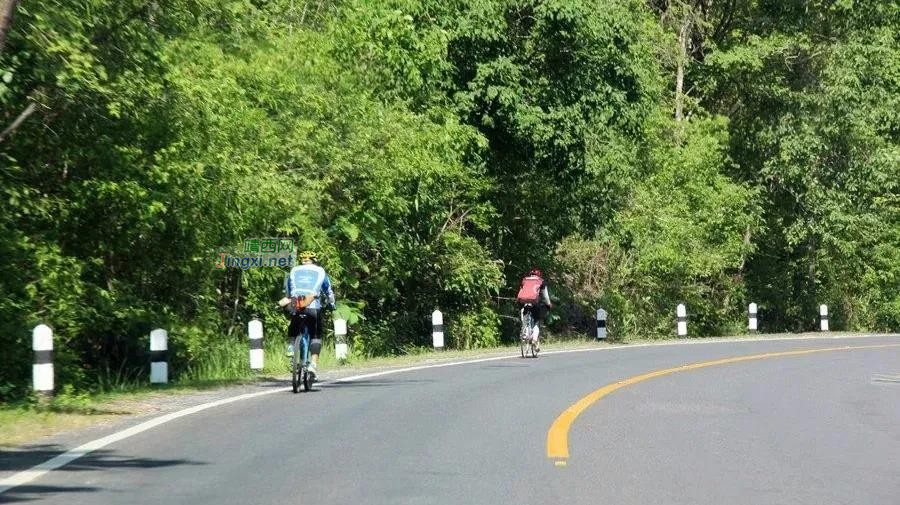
point(558, 435)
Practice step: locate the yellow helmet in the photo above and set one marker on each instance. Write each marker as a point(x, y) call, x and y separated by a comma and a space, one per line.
point(307, 256)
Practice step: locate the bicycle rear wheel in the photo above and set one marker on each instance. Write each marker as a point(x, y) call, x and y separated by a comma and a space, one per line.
point(295, 366)
point(307, 381)
point(525, 335)
point(305, 376)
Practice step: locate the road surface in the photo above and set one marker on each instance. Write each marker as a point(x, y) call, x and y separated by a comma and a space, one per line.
point(816, 428)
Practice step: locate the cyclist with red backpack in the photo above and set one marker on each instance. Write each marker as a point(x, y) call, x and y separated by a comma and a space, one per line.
point(535, 300)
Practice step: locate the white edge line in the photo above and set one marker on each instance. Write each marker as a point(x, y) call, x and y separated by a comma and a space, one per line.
point(67, 457)
point(35, 472)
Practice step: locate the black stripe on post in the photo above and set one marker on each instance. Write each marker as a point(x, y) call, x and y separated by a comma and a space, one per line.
point(256, 343)
point(157, 356)
point(43, 357)
point(682, 319)
point(824, 318)
point(437, 328)
point(601, 323)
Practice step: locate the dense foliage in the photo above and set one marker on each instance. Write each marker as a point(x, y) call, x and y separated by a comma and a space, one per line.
point(643, 153)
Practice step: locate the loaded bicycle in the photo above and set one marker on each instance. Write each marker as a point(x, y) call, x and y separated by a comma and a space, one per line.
point(527, 340)
point(300, 359)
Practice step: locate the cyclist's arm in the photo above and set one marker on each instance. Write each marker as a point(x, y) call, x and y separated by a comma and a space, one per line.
point(328, 291)
point(545, 296)
point(284, 302)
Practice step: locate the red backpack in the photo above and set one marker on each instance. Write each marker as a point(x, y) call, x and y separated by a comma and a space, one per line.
point(530, 290)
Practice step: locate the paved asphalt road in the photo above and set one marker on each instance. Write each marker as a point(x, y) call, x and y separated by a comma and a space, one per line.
point(809, 429)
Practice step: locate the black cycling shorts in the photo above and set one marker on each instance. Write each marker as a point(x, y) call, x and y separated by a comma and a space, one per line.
point(538, 312)
point(312, 322)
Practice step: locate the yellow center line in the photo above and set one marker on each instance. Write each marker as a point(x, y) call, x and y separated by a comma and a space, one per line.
point(558, 435)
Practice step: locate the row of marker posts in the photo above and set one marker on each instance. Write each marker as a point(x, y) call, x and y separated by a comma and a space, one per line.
point(42, 343)
point(681, 322)
point(752, 319)
point(437, 323)
point(42, 372)
point(255, 332)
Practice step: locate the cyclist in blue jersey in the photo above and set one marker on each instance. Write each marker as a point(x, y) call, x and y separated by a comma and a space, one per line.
point(304, 288)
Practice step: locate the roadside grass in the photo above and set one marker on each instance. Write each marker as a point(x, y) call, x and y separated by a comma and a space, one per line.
point(32, 418)
point(22, 424)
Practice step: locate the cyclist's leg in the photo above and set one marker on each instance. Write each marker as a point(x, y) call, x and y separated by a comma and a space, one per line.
point(522, 313)
point(314, 324)
point(538, 314)
point(294, 328)
point(532, 314)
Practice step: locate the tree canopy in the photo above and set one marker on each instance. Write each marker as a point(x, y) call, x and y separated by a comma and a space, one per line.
point(642, 153)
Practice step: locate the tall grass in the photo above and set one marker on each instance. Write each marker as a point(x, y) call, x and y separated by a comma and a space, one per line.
point(229, 360)
point(232, 361)
point(124, 377)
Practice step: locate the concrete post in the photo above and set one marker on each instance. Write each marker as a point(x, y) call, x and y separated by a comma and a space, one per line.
point(42, 369)
point(340, 339)
point(681, 319)
point(437, 329)
point(257, 355)
point(752, 324)
point(159, 350)
point(601, 324)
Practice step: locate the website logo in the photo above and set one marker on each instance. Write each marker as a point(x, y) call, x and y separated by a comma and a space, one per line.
point(260, 252)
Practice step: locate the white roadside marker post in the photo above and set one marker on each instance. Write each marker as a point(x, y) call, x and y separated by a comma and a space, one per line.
point(681, 319)
point(753, 323)
point(601, 324)
point(340, 339)
point(437, 330)
point(257, 356)
point(159, 349)
point(42, 369)
point(823, 314)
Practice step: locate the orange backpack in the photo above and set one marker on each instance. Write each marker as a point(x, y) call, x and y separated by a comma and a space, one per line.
point(302, 301)
point(530, 290)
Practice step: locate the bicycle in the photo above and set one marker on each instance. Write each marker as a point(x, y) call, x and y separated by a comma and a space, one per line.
point(526, 344)
point(300, 369)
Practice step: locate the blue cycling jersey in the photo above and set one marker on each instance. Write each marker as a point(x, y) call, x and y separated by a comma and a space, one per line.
point(309, 279)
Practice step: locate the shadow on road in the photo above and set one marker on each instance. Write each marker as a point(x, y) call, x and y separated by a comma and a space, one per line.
point(281, 383)
point(273, 382)
point(30, 493)
point(379, 383)
point(23, 458)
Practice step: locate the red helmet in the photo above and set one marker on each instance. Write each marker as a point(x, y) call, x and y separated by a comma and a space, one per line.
point(536, 271)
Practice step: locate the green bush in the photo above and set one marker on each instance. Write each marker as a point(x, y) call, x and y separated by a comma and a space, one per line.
point(474, 329)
